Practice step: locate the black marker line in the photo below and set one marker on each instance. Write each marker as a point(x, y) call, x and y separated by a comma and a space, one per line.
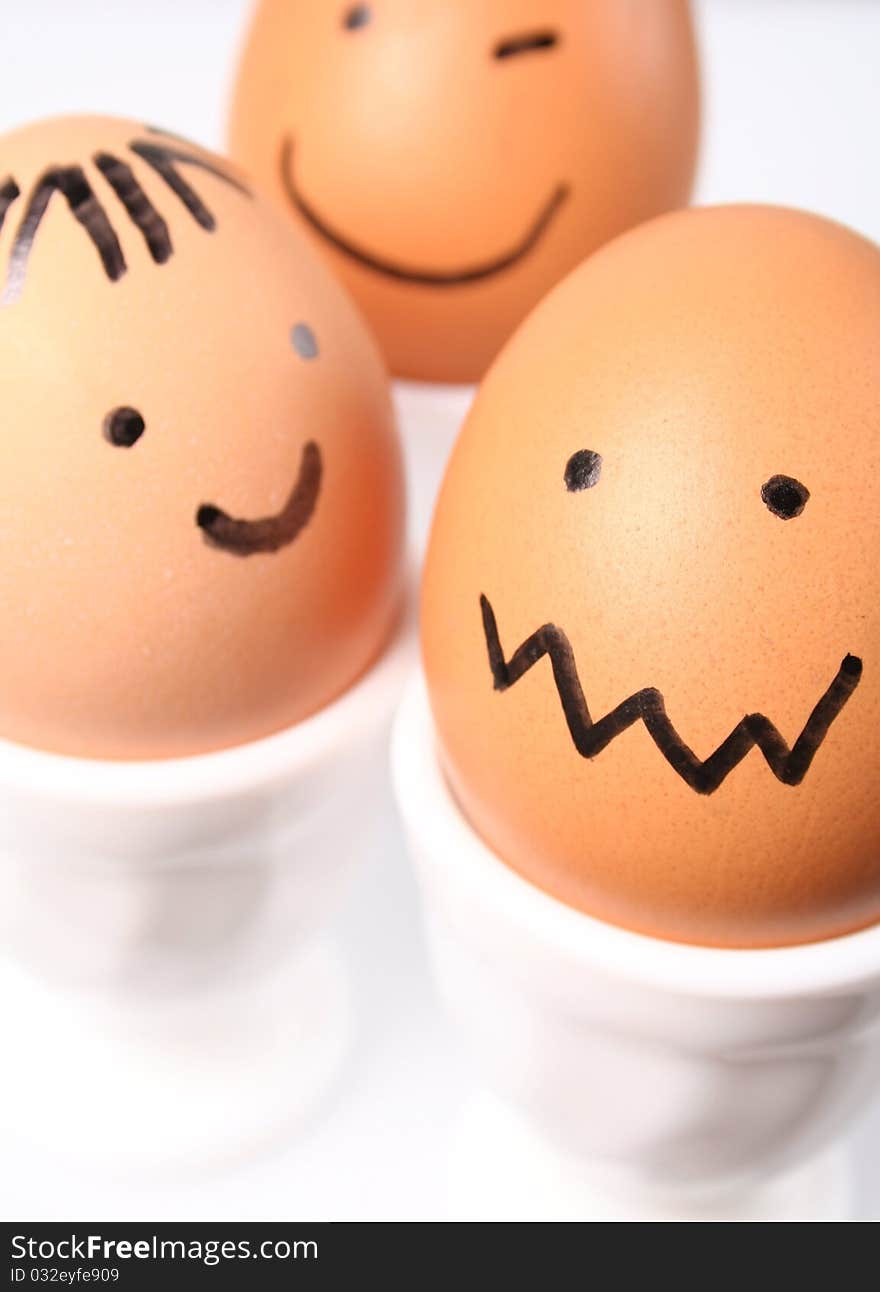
point(788, 765)
point(164, 161)
point(9, 193)
point(250, 537)
point(71, 182)
point(422, 277)
point(203, 161)
point(530, 43)
point(143, 214)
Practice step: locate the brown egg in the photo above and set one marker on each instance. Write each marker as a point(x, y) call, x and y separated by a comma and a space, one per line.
point(666, 708)
point(454, 160)
point(200, 488)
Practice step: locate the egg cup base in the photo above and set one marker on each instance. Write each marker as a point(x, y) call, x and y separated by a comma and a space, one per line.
point(160, 927)
point(205, 1081)
point(503, 1170)
point(676, 1078)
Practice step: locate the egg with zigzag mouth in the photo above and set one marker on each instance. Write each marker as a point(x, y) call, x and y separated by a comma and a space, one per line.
point(650, 618)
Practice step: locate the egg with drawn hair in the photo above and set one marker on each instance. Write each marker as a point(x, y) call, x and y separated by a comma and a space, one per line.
point(650, 615)
point(453, 159)
point(200, 485)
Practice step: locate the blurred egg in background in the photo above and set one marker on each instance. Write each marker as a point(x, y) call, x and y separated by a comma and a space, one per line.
point(453, 160)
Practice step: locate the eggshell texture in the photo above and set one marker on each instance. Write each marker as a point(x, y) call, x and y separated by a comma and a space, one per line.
point(454, 160)
point(687, 365)
point(136, 621)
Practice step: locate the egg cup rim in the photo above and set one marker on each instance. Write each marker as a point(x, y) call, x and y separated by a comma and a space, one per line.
point(227, 772)
point(446, 843)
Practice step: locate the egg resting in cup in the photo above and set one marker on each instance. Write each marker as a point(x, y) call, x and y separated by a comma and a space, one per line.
point(202, 512)
point(653, 696)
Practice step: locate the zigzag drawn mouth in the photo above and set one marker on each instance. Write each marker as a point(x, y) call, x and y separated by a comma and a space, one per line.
point(789, 766)
point(407, 273)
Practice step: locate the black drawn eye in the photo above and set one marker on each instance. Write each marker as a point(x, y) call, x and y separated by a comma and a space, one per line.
point(785, 496)
point(530, 42)
point(359, 15)
point(582, 471)
point(124, 427)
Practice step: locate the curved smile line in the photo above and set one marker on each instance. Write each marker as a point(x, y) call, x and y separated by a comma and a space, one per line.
point(249, 537)
point(405, 273)
point(788, 765)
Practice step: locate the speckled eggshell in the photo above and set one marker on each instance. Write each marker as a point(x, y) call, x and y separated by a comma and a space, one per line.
point(126, 630)
point(699, 357)
point(454, 160)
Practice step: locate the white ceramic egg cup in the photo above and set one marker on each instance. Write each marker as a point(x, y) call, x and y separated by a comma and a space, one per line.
point(429, 417)
point(166, 991)
point(627, 1077)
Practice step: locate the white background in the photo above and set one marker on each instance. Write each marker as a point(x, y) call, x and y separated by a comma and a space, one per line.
point(792, 112)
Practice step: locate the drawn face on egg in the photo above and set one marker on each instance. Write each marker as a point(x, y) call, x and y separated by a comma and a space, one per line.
point(659, 704)
point(454, 160)
point(191, 410)
point(124, 426)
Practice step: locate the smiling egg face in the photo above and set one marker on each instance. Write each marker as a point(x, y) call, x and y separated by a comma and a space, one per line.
point(200, 488)
point(454, 160)
point(650, 619)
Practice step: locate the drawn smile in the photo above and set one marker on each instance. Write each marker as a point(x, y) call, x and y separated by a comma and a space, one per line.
point(407, 273)
point(788, 765)
point(271, 533)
